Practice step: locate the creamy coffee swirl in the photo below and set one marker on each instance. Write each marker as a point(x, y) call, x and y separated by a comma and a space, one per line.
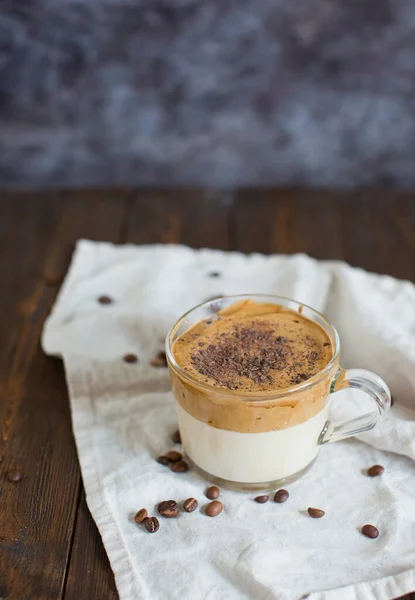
point(254, 347)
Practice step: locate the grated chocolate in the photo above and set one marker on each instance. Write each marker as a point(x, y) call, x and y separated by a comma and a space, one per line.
point(249, 352)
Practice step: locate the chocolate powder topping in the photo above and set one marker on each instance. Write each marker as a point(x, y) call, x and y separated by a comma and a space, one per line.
point(243, 352)
point(253, 347)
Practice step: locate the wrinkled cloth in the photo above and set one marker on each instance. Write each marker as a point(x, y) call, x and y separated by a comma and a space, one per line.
point(124, 414)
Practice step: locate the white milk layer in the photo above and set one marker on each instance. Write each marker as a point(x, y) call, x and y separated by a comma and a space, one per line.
point(251, 457)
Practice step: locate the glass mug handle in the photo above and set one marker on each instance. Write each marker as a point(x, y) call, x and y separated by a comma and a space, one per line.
point(367, 382)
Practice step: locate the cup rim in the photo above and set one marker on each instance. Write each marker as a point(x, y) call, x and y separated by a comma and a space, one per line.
point(248, 396)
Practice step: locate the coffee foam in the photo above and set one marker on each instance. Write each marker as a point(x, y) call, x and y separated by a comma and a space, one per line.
point(254, 347)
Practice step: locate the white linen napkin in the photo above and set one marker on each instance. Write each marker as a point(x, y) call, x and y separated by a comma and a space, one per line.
point(123, 416)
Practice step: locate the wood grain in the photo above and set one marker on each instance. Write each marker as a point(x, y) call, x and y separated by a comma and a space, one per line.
point(89, 574)
point(95, 216)
point(372, 233)
point(28, 431)
point(373, 229)
point(38, 513)
point(49, 545)
point(288, 222)
point(196, 218)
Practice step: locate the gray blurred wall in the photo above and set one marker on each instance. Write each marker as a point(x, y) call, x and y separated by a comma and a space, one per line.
point(211, 92)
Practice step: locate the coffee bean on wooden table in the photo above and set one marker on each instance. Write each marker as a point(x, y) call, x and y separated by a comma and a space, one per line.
point(14, 475)
point(180, 467)
point(281, 496)
point(105, 300)
point(190, 504)
point(176, 439)
point(315, 513)
point(151, 524)
point(213, 508)
point(261, 499)
point(173, 456)
point(375, 471)
point(141, 515)
point(370, 531)
point(212, 492)
point(130, 358)
point(168, 509)
point(163, 460)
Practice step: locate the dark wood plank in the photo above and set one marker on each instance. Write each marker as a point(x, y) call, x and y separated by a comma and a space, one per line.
point(196, 218)
point(23, 251)
point(288, 221)
point(38, 513)
point(23, 248)
point(372, 230)
point(90, 574)
point(376, 232)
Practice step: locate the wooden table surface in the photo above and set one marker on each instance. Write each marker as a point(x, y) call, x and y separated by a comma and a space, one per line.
point(49, 545)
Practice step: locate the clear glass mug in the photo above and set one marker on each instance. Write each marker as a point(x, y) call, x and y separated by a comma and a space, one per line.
point(260, 441)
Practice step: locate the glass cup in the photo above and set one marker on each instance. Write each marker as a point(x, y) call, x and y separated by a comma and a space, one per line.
point(255, 441)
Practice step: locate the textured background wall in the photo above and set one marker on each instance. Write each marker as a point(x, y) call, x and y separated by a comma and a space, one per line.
point(217, 92)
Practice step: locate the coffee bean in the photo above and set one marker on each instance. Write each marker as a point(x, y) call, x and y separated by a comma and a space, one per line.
point(151, 524)
point(315, 513)
point(212, 492)
point(157, 362)
point(160, 360)
point(180, 467)
point(375, 471)
point(105, 300)
point(173, 456)
point(130, 358)
point(14, 475)
point(261, 499)
point(214, 508)
point(168, 509)
point(163, 460)
point(141, 515)
point(190, 504)
point(281, 496)
point(370, 531)
point(176, 439)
